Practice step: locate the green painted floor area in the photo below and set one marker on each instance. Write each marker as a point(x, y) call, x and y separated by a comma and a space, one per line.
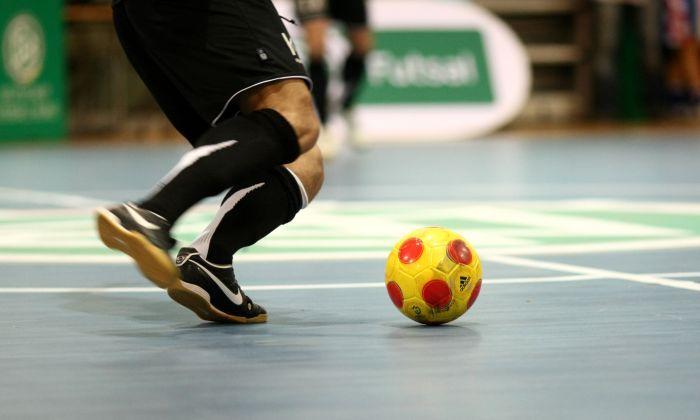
point(590, 306)
point(330, 227)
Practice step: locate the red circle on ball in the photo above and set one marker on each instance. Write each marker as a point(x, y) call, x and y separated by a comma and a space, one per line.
point(410, 251)
point(459, 252)
point(475, 294)
point(395, 294)
point(437, 293)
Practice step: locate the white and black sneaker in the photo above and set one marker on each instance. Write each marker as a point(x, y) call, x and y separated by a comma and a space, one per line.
point(144, 236)
point(212, 292)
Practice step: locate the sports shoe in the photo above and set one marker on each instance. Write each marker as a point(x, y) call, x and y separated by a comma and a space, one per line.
point(212, 292)
point(328, 144)
point(352, 133)
point(142, 235)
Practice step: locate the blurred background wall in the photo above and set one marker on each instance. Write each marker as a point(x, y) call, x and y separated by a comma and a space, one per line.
point(593, 63)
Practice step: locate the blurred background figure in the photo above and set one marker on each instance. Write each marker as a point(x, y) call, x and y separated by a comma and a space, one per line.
point(680, 44)
point(593, 63)
point(316, 17)
point(627, 62)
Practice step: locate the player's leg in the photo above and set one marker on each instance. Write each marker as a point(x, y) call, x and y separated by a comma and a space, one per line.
point(308, 169)
point(233, 150)
point(141, 234)
point(256, 207)
point(354, 69)
point(251, 141)
point(278, 121)
point(313, 15)
point(252, 209)
point(270, 199)
point(354, 14)
point(248, 213)
point(275, 133)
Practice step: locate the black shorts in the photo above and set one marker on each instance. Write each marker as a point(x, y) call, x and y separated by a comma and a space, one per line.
point(350, 12)
point(207, 51)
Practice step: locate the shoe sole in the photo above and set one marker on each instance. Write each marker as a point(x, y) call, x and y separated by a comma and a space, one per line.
point(156, 265)
point(204, 309)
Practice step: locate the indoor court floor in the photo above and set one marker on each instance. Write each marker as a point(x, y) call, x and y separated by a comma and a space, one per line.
point(590, 307)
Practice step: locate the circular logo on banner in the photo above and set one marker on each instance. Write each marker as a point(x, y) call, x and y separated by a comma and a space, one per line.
point(24, 49)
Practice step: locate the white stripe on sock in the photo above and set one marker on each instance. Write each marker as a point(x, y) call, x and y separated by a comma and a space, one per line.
point(201, 244)
point(302, 190)
point(189, 159)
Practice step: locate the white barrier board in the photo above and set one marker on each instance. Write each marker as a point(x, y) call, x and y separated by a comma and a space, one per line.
point(442, 70)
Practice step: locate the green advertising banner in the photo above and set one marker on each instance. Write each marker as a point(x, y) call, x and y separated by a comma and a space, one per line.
point(440, 70)
point(428, 66)
point(32, 81)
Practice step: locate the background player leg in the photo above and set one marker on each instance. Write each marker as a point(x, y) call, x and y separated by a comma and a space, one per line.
point(362, 42)
point(316, 30)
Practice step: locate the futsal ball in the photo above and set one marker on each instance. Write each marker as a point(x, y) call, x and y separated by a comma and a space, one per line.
point(433, 275)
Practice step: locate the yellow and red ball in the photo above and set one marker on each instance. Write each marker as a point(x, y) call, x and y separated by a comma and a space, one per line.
point(433, 275)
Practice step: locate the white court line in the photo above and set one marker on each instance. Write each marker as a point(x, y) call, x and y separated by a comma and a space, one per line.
point(66, 290)
point(50, 198)
point(577, 269)
point(688, 274)
point(552, 279)
point(276, 287)
point(497, 190)
point(576, 249)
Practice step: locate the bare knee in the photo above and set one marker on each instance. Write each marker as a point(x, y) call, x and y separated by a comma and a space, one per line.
point(292, 99)
point(309, 169)
point(301, 114)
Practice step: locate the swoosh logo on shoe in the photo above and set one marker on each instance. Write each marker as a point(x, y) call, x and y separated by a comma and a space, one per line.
point(140, 220)
point(183, 258)
point(236, 298)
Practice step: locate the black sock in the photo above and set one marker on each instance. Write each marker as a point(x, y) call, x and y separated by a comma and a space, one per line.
point(250, 212)
point(353, 72)
point(226, 154)
point(319, 76)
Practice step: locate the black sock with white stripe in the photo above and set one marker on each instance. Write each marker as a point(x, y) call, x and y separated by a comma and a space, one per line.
point(225, 155)
point(250, 212)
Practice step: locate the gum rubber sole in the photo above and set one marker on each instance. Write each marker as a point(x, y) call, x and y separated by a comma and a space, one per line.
point(205, 310)
point(156, 265)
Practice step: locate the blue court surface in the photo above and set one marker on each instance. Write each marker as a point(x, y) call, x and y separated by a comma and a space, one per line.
point(590, 307)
